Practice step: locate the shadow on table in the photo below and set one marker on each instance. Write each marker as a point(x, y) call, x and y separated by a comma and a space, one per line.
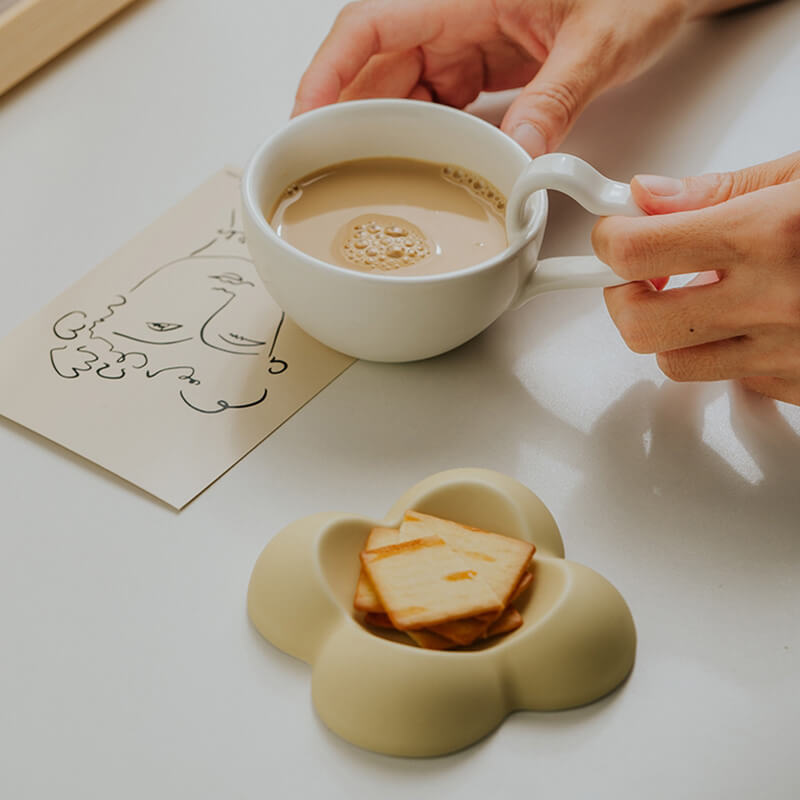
point(667, 456)
point(550, 724)
point(658, 452)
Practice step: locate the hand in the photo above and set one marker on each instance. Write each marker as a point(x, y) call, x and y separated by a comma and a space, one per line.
point(565, 52)
point(741, 317)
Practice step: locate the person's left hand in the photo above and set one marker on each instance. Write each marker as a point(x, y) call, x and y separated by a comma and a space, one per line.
point(740, 318)
point(562, 53)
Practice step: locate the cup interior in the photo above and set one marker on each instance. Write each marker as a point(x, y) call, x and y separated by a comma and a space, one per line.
point(378, 129)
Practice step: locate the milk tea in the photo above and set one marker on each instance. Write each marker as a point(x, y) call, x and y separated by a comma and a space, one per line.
point(393, 216)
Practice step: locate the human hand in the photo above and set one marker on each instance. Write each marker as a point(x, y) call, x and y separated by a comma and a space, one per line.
point(564, 52)
point(740, 318)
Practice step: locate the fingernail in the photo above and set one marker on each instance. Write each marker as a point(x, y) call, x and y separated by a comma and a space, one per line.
point(660, 185)
point(530, 138)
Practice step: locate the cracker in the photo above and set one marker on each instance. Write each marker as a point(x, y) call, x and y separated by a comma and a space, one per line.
point(498, 560)
point(508, 621)
point(465, 631)
point(423, 582)
point(365, 598)
point(380, 536)
point(379, 620)
point(424, 638)
point(431, 641)
point(524, 582)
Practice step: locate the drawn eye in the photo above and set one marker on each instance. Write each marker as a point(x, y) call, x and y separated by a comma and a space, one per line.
point(163, 327)
point(233, 278)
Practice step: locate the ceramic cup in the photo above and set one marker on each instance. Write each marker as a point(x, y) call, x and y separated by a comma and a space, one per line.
point(381, 317)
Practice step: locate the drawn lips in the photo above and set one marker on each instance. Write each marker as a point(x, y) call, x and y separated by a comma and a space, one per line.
point(240, 341)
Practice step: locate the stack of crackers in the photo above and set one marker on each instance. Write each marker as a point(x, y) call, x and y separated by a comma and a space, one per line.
point(444, 584)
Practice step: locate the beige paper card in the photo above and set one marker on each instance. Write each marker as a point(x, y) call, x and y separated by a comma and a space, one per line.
point(169, 361)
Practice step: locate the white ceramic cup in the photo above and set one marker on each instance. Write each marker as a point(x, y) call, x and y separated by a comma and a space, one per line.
point(386, 317)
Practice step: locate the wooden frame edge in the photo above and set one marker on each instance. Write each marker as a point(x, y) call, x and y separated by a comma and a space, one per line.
point(32, 32)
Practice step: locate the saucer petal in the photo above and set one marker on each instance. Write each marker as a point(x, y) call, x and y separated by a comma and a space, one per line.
point(485, 499)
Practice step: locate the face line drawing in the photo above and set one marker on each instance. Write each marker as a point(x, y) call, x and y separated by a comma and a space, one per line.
point(75, 370)
point(224, 405)
point(228, 277)
point(189, 376)
point(146, 341)
point(203, 338)
point(112, 363)
point(242, 341)
point(192, 257)
point(110, 308)
point(275, 337)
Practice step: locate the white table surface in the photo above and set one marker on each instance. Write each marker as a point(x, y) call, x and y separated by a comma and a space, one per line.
point(128, 665)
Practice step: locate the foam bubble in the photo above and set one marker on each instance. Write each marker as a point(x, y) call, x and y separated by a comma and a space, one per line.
point(381, 242)
point(477, 186)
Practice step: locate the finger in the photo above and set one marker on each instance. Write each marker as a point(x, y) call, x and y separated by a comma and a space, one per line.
point(458, 75)
point(657, 194)
point(456, 78)
point(752, 357)
point(363, 30)
point(388, 75)
point(548, 106)
point(645, 248)
point(508, 65)
point(651, 321)
point(714, 361)
point(777, 388)
point(420, 92)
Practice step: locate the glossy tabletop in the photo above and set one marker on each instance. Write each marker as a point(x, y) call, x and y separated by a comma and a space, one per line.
point(129, 668)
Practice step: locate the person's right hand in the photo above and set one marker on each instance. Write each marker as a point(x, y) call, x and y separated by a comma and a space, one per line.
point(740, 318)
point(564, 52)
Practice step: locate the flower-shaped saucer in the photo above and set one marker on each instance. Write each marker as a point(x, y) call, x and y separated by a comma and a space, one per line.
point(577, 642)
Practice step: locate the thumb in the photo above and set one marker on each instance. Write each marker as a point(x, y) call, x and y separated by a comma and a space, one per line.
point(547, 107)
point(657, 194)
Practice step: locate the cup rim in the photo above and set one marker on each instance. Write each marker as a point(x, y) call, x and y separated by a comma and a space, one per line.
point(253, 209)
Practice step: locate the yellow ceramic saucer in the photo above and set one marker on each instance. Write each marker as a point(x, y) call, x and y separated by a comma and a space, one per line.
point(577, 642)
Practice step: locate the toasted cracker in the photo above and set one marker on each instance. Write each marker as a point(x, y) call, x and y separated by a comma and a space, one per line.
point(524, 582)
point(424, 638)
point(465, 631)
point(365, 598)
point(499, 560)
point(423, 582)
point(379, 620)
point(508, 621)
point(431, 641)
point(381, 536)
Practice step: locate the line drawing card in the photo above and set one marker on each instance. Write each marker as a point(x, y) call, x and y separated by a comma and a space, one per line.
point(169, 361)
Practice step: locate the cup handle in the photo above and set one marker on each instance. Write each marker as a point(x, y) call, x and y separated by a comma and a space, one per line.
point(567, 272)
point(596, 193)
